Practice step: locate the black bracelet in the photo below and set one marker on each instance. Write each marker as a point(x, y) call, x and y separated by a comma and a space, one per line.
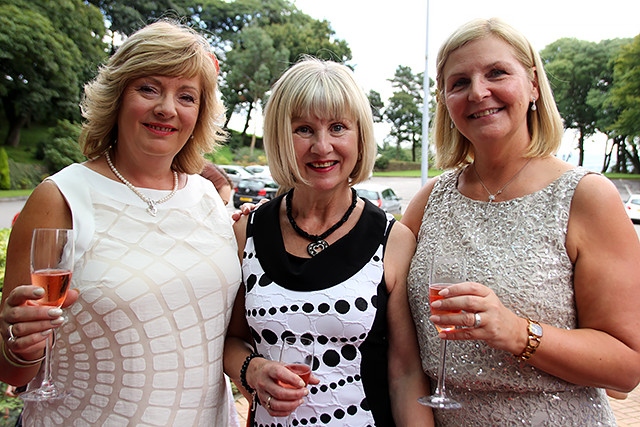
point(243, 372)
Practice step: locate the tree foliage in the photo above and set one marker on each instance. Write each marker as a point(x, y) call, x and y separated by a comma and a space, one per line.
point(47, 51)
point(404, 110)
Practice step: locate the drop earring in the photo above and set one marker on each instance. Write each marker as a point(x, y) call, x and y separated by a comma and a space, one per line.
point(533, 104)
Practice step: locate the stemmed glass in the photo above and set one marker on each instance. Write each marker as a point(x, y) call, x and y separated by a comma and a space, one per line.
point(52, 251)
point(445, 271)
point(297, 355)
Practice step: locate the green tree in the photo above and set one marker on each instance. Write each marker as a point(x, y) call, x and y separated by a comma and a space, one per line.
point(606, 113)
point(574, 68)
point(242, 27)
point(47, 51)
point(253, 66)
point(625, 96)
point(404, 110)
point(377, 106)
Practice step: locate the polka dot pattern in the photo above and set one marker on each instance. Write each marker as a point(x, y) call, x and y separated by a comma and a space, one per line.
point(143, 344)
point(339, 319)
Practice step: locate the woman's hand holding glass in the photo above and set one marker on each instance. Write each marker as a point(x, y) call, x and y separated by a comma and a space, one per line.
point(280, 389)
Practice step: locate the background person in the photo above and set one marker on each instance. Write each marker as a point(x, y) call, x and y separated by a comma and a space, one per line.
point(156, 268)
point(318, 261)
point(550, 309)
point(220, 180)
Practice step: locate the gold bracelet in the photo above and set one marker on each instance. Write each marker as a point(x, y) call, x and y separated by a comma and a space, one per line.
point(15, 360)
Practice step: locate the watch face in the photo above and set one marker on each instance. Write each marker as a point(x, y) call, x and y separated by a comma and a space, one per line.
point(535, 329)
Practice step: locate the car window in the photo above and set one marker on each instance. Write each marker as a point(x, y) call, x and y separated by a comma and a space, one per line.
point(250, 184)
point(635, 201)
point(388, 194)
point(367, 194)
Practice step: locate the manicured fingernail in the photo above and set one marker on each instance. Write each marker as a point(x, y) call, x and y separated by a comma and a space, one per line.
point(38, 292)
point(58, 321)
point(55, 312)
point(47, 332)
point(436, 304)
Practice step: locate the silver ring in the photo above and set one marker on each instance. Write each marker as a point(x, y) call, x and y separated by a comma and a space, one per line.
point(477, 321)
point(12, 338)
point(269, 402)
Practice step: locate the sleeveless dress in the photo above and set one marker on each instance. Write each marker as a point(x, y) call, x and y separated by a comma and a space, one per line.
point(516, 248)
point(339, 299)
point(143, 343)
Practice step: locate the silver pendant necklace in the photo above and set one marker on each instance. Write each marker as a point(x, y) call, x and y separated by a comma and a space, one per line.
point(151, 209)
point(492, 197)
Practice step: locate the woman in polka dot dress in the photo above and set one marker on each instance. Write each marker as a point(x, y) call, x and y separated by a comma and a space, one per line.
point(318, 261)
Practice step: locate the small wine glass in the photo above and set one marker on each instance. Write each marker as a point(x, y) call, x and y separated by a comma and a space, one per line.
point(445, 271)
point(52, 253)
point(297, 355)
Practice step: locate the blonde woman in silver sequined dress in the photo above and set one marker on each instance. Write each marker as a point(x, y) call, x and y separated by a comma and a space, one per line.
point(550, 314)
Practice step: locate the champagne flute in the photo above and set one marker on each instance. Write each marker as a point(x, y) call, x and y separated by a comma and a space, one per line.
point(445, 271)
point(52, 253)
point(297, 355)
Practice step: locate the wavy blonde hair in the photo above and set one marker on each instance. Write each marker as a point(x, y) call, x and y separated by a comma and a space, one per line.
point(164, 48)
point(314, 87)
point(545, 124)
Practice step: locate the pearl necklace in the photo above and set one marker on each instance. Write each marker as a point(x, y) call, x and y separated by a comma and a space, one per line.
point(493, 196)
point(318, 244)
point(151, 209)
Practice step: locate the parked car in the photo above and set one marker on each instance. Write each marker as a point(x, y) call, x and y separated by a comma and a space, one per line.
point(253, 190)
point(260, 171)
point(382, 196)
point(632, 206)
point(236, 173)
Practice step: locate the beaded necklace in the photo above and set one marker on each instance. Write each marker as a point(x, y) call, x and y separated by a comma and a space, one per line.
point(318, 244)
point(151, 209)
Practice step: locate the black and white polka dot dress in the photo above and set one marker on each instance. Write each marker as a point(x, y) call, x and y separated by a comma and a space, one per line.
point(338, 298)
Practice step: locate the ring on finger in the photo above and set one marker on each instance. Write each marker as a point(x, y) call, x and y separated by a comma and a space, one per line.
point(477, 321)
point(12, 338)
point(269, 402)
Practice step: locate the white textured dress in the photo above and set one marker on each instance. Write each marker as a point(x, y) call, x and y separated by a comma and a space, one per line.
point(143, 344)
point(516, 248)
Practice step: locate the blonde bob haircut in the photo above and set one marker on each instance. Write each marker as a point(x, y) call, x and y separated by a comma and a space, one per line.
point(315, 88)
point(164, 48)
point(545, 124)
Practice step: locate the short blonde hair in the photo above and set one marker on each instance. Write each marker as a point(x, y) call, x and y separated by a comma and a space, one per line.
point(314, 87)
point(164, 48)
point(545, 124)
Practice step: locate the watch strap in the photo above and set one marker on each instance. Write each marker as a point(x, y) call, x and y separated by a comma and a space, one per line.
point(533, 340)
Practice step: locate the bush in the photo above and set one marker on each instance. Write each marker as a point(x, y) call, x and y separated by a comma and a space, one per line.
point(61, 149)
point(5, 175)
point(25, 176)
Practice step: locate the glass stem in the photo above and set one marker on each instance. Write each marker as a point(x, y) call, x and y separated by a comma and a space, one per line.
point(47, 382)
point(440, 391)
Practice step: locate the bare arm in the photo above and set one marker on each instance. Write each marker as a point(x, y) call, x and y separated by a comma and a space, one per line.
point(32, 324)
point(261, 375)
point(407, 381)
point(605, 350)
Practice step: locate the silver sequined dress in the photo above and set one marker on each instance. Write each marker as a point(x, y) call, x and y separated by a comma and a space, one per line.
point(517, 248)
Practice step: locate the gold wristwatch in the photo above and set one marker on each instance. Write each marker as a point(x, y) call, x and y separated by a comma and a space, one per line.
point(535, 335)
